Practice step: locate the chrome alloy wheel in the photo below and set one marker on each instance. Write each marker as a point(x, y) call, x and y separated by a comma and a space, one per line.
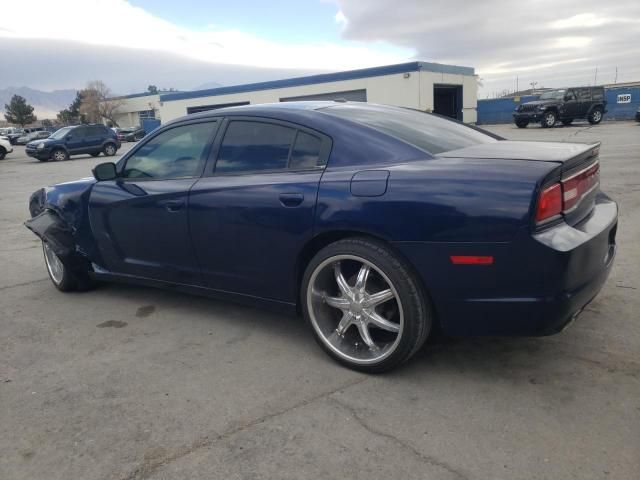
point(596, 116)
point(110, 150)
point(355, 309)
point(54, 265)
point(59, 156)
point(549, 119)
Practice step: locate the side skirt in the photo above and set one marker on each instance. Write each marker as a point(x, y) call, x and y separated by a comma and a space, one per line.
point(272, 305)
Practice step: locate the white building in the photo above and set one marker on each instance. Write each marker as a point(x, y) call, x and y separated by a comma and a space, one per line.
point(445, 89)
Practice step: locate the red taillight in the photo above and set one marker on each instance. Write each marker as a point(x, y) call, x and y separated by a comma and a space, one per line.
point(565, 195)
point(578, 185)
point(549, 203)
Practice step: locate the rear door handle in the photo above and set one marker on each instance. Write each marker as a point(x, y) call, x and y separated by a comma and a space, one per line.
point(291, 199)
point(173, 205)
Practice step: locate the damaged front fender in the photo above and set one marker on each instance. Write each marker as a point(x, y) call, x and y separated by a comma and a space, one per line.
point(60, 217)
point(51, 229)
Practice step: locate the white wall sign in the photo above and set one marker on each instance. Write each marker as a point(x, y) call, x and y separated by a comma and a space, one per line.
point(624, 98)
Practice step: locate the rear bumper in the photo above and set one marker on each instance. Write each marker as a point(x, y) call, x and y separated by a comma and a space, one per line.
point(537, 285)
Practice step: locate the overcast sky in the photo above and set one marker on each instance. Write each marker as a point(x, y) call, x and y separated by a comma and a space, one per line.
point(130, 44)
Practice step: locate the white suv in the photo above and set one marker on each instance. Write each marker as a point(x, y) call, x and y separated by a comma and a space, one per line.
point(5, 147)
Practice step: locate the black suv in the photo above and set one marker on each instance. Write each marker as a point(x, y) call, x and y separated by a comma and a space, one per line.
point(91, 139)
point(564, 104)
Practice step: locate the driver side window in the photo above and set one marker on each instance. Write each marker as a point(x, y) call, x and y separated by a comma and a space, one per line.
point(176, 153)
point(571, 96)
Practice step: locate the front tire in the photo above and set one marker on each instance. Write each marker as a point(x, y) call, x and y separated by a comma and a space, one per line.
point(59, 155)
point(595, 116)
point(3, 153)
point(365, 307)
point(110, 149)
point(549, 119)
point(522, 123)
point(59, 274)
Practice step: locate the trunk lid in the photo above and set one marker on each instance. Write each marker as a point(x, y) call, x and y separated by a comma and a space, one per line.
point(568, 155)
point(574, 160)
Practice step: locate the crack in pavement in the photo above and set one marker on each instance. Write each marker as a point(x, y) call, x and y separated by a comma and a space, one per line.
point(404, 445)
point(150, 466)
point(23, 284)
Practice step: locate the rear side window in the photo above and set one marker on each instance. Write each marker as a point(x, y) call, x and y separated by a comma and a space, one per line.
point(597, 94)
point(306, 151)
point(175, 153)
point(584, 94)
point(253, 146)
point(422, 130)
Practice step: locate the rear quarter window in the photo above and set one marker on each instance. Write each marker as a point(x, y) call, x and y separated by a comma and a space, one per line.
point(425, 131)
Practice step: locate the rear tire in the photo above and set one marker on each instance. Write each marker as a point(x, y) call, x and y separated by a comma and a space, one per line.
point(595, 116)
point(3, 153)
point(567, 121)
point(372, 321)
point(59, 155)
point(522, 123)
point(110, 149)
point(549, 119)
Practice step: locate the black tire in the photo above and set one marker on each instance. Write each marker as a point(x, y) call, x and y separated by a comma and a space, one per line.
point(567, 121)
point(549, 119)
point(59, 155)
point(412, 303)
point(595, 116)
point(522, 123)
point(95, 154)
point(110, 149)
point(3, 153)
point(59, 273)
point(66, 279)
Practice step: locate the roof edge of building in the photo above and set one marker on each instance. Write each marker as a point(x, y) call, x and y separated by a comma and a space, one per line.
point(322, 78)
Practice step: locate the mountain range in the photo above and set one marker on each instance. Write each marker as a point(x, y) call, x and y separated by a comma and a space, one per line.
point(45, 104)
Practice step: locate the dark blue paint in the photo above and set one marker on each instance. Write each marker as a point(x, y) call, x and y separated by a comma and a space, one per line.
point(322, 78)
point(248, 236)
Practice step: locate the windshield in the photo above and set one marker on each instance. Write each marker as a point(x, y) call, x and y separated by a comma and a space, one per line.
point(427, 132)
point(61, 133)
point(553, 95)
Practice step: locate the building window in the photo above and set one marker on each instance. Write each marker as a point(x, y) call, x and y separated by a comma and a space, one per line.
point(146, 114)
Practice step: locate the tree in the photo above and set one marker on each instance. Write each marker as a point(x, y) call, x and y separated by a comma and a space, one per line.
point(19, 112)
point(98, 103)
point(72, 115)
point(152, 89)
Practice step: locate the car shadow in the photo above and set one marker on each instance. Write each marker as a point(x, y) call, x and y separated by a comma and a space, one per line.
point(519, 359)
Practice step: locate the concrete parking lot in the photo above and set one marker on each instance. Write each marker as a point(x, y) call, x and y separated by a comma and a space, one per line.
point(132, 383)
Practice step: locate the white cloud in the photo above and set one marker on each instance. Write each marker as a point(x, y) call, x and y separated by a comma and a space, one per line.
point(120, 24)
point(510, 43)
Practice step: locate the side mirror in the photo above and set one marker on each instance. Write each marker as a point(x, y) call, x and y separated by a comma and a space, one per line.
point(105, 171)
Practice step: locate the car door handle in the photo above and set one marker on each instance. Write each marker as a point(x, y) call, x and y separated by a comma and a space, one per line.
point(173, 205)
point(291, 199)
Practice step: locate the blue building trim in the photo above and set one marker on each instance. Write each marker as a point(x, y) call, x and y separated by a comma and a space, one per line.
point(322, 78)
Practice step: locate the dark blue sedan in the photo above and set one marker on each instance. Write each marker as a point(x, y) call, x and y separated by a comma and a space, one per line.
point(375, 223)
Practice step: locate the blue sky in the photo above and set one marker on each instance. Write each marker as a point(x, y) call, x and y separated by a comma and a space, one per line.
point(288, 20)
